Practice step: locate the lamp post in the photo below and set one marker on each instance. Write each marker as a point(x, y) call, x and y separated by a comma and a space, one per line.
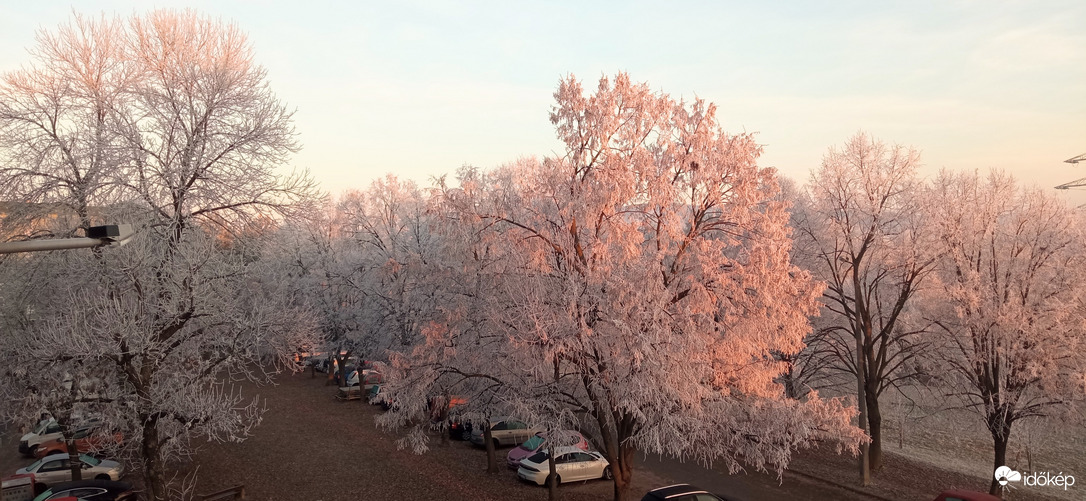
point(97, 236)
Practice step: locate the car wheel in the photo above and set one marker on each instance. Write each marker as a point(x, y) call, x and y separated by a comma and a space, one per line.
point(607, 475)
point(497, 444)
point(465, 435)
point(102, 476)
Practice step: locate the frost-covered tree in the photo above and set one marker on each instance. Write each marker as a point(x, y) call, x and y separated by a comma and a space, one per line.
point(190, 139)
point(646, 286)
point(1009, 301)
point(321, 265)
point(860, 230)
point(60, 120)
point(45, 378)
point(458, 349)
point(390, 226)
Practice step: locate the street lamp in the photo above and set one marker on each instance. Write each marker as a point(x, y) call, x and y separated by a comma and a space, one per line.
point(97, 236)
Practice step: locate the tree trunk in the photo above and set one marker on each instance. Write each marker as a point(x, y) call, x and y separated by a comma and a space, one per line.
point(861, 402)
point(488, 441)
point(153, 472)
point(73, 459)
point(874, 421)
point(552, 481)
point(623, 472)
point(1001, 435)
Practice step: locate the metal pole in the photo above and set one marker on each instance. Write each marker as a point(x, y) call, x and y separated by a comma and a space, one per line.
point(110, 234)
point(48, 245)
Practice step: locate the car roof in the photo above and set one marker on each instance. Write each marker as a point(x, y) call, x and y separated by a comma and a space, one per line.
point(676, 490)
point(62, 455)
point(54, 457)
point(105, 484)
point(566, 449)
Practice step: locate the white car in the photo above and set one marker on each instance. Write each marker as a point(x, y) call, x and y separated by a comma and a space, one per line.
point(571, 464)
point(55, 468)
point(46, 431)
point(372, 377)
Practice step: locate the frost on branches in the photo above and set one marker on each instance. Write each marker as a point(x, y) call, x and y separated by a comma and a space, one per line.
point(859, 228)
point(645, 285)
point(164, 122)
point(1010, 302)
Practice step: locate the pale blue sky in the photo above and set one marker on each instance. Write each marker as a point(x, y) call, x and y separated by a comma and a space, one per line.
point(420, 88)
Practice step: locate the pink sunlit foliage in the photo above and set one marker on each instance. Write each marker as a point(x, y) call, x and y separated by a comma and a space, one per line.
point(645, 285)
point(1009, 300)
point(60, 120)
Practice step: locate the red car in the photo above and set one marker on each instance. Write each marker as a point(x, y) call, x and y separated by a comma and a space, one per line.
point(86, 440)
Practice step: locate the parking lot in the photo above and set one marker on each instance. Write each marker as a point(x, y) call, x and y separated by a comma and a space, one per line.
point(311, 446)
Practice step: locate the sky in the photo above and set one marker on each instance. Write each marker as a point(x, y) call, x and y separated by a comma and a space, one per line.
point(419, 88)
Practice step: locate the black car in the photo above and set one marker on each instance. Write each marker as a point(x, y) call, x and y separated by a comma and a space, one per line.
point(681, 492)
point(90, 490)
point(460, 430)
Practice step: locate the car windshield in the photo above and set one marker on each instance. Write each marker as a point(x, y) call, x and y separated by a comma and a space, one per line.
point(38, 430)
point(532, 443)
point(89, 460)
point(34, 466)
point(538, 458)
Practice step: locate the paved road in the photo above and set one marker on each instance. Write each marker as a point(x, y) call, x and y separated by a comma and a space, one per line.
point(750, 486)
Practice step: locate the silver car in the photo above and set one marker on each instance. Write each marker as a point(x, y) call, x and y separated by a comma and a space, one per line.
point(507, 431)
point(56, 468)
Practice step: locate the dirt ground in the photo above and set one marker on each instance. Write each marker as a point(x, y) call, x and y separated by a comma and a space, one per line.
point(327, 450)
point(368, 466)
point(312, 447)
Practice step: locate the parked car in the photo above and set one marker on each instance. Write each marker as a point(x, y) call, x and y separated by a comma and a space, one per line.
point(681, 492)
point(335, 375)
point(504, 431)
point(442, 410)
point(55, 468)
point(90, 490)
point(571, 464)
point(324, 362)
point(538, 441)
point(322, 365)
point(960, 495)
point(87, 439)
point(45, 431)
point(369, 377)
